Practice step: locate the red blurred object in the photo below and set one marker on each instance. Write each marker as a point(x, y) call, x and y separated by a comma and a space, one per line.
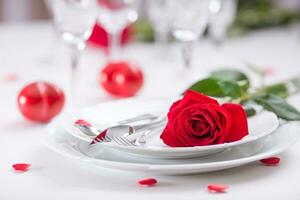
point(109, 4)
point(100, 38)
point(21, 167)
point(121, 79)
point(147, 182)
point(40, 101)
point(269, 71)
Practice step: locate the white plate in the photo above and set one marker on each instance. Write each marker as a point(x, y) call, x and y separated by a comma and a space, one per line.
point(60, 141)
point(107, 113)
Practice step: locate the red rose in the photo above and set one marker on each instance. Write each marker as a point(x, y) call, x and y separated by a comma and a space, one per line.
point(197, 120)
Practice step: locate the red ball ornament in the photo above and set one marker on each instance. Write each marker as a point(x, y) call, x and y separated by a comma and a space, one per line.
point(40, 101)
point(121, 79)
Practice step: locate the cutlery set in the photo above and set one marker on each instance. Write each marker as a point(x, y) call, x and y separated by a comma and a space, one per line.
point(119, 131)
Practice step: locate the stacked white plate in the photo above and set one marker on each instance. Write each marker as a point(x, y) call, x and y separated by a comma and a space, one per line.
point(265, 139)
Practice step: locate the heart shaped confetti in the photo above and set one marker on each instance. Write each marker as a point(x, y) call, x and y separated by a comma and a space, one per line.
point(272, 161)
point(147, 182)
point(217, 188)
point(21, 167)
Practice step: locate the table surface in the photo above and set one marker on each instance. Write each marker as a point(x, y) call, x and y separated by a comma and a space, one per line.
point(34, 52)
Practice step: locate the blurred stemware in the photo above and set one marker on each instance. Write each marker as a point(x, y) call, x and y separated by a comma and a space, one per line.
point(188, 20)
point(222, 14)
point(114, 16)
point(74, 19)
point(159, 18)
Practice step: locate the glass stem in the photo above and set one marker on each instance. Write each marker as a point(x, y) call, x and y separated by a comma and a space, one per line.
point(74, 72)
point(161, 36)
point(218, 34)
point(115, 44)
point(187, 52)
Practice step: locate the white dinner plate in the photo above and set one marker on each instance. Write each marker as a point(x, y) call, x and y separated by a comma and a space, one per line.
point(107, 113)
point(65, 144)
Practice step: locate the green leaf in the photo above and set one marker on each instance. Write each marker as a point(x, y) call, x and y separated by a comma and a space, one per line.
point(143, 31)
point(278, 105)
point(279, 89)
point(215, 88)
point(232, 76)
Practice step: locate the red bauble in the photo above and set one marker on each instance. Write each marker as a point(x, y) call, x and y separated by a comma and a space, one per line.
point(121, 79)
point(40, 101)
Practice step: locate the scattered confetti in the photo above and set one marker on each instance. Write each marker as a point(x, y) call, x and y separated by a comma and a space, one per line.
point(21, 167)
point(9, 77)
point(82, 122)
point(272, 161)
point(148, 182)
point(217, 188)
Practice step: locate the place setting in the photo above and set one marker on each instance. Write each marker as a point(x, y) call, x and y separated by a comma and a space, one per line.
point(193, 133)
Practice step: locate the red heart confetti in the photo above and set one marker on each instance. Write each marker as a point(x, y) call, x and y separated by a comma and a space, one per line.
point(21, 167)
point(272, 161)
point(82, 122)
point(217, 188)
point(147, 182)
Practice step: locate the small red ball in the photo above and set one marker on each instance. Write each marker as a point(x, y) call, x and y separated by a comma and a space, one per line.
point(40, 101)
point(121, 79)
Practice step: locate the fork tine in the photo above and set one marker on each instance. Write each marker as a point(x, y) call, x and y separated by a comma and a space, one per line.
point(122, 142)
point(128, 141)
point(107, 139)
point(125, 141)
point(117, 140)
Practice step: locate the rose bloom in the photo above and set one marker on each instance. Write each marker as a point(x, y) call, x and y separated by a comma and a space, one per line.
point(198, 120)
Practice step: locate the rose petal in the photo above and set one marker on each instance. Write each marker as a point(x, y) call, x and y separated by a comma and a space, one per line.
point(272, 161)
point(22, 167)
point(239, 124)
point(82, 122)
point(217, 188)
point(195, 97)
point(147, 182)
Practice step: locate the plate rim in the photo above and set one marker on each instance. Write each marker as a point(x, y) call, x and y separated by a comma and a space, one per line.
point(189, 166)
point(173, 149)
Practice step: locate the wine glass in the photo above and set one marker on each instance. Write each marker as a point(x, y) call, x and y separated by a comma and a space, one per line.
point(114, 16)
point(222, 14)
point(74, 19)
point(159, 19)
point(188, 20)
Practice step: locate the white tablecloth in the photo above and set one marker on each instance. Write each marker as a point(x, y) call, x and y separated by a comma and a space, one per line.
point(34, 52)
